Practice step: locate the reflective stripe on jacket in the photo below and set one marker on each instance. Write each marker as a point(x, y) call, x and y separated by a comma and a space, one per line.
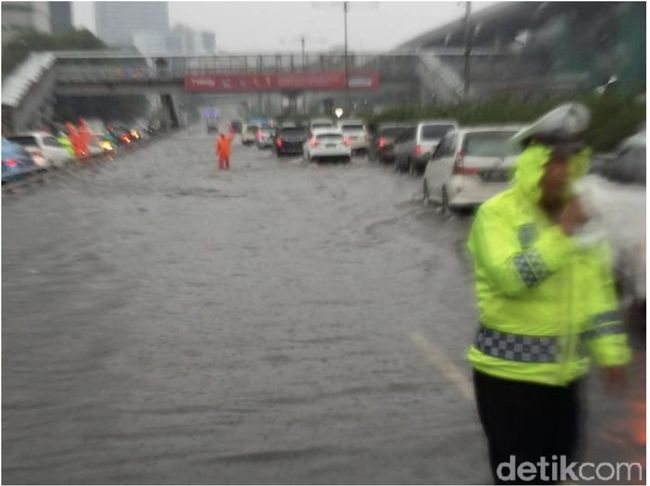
point(546, 304)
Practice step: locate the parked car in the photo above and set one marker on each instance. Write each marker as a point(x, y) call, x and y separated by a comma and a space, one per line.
point(142, 126)
point(121, 133)
point(212, 124)
point(412, 149)
point(43, 147)
point(264, 137)
point(470, 165)
point(16, 161)
point(357, 132)
point(97, 126)
point(381, 142)
point(249, 133)
point(290, 140)
point(615, 197)
point(327, 144)
point(235, 126)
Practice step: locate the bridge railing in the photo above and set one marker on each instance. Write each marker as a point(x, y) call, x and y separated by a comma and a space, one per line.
point(157, 68)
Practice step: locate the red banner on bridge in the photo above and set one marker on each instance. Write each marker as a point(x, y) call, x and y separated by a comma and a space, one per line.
point(319, 80)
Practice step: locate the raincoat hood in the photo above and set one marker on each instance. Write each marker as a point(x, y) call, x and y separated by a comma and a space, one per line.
point(529, 170)
point(558, 130)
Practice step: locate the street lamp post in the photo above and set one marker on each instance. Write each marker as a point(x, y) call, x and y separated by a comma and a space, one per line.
point(345, 55)
point(468, 46)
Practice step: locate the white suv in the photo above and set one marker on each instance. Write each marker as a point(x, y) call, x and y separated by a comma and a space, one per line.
point(470, 165)
point(44, 147)
point(356, 131)
point(327, 144)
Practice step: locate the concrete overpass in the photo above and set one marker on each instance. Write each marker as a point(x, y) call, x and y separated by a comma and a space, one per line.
point(405, 76)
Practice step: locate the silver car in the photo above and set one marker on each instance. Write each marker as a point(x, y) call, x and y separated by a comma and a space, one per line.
point(470, 165)
point(414, 146)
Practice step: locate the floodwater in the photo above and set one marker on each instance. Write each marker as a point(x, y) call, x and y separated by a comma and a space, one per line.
point(281, 322)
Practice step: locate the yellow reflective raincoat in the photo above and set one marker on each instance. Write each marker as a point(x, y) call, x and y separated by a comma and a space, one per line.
point(547, 305)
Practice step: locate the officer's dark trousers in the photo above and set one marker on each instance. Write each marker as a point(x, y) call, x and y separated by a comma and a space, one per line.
point(527, 421)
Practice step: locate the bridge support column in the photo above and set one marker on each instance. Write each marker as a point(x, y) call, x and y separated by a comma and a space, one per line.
point(169, 110)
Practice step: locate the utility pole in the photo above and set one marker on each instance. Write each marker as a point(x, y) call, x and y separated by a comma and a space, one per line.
point(468, 46)
point(347, 83)
point(302, 44)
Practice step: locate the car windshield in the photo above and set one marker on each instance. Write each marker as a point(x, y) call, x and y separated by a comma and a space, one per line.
point(490, 144)
point(435, 132)
point(251, 129)
point(322, 125)
point(25, 141)
point(352, 127)
point(390, 131)
point(293, 131)
point(329, 136)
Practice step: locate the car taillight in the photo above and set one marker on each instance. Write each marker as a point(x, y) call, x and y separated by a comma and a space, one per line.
point(313, 142)
point(278, 142)
point(382, 142)
point(11, 163)
point(347, 141)
point(460, 169)
point(418, 150)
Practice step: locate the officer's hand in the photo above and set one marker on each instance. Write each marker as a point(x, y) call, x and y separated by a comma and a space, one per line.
point(572, 217)
point(614, 379)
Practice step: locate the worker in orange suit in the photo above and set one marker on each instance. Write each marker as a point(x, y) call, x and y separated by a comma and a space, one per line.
point(84, 137)
point(75, 140)
point(223, 150)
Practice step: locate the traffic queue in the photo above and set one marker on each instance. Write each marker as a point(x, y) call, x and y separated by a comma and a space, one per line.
point(56, 145)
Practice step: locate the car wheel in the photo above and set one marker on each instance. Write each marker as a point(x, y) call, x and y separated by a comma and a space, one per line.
point(411, 167)
point(347, 160)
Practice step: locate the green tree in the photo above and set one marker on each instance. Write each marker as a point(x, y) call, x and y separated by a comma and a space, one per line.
point(26, 41)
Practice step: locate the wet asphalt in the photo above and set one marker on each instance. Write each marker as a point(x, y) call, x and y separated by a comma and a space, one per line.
point(281, 322)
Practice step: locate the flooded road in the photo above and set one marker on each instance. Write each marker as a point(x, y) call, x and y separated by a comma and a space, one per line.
point(282, 322)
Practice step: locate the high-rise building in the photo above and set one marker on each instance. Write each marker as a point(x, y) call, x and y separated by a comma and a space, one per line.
point(181, 41)
point(196, 42)
point(25, 15)
point(61, 16)
point(118, 22)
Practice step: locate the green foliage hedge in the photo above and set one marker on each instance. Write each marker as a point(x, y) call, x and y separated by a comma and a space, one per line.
point(16, 50)
point(614, 117)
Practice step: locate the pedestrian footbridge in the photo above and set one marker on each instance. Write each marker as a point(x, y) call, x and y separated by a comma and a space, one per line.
point(409, 76)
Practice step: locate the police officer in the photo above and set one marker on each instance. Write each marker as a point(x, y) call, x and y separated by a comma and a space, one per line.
point(547, 305)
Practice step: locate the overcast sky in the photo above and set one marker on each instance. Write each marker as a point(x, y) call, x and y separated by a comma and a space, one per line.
point(277, 26)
